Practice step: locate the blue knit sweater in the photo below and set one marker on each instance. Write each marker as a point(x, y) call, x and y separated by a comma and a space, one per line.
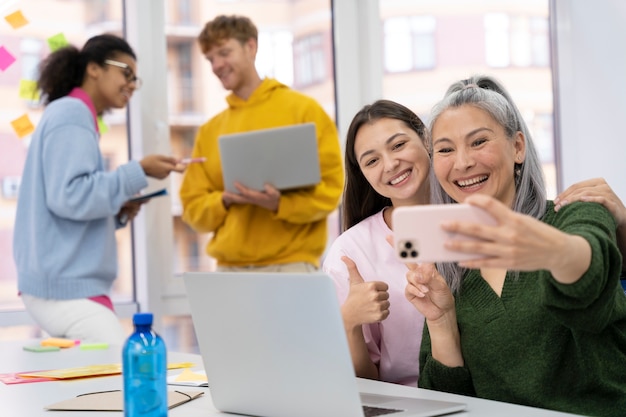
point(64, 237)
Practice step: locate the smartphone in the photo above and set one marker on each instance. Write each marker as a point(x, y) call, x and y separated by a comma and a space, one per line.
point(418, 236)
point(148, 196)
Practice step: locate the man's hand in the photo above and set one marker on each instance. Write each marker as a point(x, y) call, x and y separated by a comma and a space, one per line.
point(269, 198)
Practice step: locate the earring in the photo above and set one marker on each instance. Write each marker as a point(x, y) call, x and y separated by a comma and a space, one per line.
point(517, 171)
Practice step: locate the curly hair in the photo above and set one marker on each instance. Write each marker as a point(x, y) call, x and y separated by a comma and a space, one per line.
point(65, 68)
point(225, 27)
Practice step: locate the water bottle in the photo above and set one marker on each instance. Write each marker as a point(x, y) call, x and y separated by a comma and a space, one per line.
point(144, 370)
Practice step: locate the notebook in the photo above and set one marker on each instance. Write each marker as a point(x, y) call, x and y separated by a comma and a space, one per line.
point(274, 345)
point(286, 157)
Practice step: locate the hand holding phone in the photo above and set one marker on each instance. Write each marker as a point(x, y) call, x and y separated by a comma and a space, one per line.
point(418, 236)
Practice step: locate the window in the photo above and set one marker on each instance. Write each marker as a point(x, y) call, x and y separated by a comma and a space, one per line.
point(275, 55)
point(509, 41)
point(514, 40)
point(185, 74)
point(409, 43)
point(310, 60)
point(297, 52)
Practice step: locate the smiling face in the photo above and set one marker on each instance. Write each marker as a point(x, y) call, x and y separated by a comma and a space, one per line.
point(472, 154)
point(109, 85)
point(394, 161)
point(233, 63)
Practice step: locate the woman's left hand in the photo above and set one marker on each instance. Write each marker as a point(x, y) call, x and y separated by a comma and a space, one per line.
point(129, 210)
point(518, 242)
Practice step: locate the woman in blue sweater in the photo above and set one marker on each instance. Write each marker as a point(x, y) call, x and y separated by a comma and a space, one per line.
point(540, 320)
point(69, 207)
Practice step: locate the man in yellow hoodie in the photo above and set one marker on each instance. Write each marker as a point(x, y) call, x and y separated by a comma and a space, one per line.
point(258, 231)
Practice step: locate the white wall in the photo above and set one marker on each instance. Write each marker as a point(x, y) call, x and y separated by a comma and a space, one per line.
point(591, 75)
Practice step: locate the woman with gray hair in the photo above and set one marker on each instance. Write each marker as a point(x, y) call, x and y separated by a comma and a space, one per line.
point(540, 318)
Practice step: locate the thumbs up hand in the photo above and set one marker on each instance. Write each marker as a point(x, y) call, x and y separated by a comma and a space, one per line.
point(367, 302)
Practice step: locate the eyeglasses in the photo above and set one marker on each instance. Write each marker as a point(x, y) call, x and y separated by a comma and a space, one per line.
point(128, 73)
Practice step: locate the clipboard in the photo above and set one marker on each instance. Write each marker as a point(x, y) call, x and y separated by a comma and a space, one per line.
point(114, 401)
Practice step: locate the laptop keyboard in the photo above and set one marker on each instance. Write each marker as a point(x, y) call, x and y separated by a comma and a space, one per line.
point(370, 411)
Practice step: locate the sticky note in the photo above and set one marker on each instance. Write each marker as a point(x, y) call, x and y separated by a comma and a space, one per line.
point(102, 127)
point(38, 348)
point(16, 19)
point(57, 41)
point(23, 126)
point(28, 90)
point(59, 341)
point(94, 346)
point(6, 58)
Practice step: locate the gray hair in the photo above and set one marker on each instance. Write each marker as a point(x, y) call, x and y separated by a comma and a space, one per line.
point(488, 94)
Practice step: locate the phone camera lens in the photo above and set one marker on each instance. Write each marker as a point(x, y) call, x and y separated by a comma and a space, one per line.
point(408, 245)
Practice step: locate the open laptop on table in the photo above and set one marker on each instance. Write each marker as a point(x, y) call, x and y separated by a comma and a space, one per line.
point(274, 345)
point(286, 157)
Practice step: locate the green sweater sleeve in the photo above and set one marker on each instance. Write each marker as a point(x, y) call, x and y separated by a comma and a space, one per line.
point(589, 303)
point(435, 375)
point(525, 334)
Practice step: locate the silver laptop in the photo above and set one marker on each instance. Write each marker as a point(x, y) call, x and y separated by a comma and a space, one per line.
point(274, 345)
point(286, 157)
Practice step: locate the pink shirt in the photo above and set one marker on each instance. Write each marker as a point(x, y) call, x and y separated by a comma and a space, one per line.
point(80, 94)
point(394, 343)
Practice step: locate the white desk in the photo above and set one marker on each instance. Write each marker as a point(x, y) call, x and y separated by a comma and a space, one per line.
point(30, 399)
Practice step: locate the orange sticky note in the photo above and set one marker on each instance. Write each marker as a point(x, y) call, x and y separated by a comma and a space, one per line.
point(28, 90)
point(57, 41)
point(23, 126)
point(59, 342)
point(16, 19)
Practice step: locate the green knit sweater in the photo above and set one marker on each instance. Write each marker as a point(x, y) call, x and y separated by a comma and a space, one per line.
point(542, 343)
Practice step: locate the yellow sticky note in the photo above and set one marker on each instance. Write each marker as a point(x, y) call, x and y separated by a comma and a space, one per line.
point(103, 127)
point(23, 126)
point(190, 376)
point(28, 90)
point(57, 41)
point(16, 19)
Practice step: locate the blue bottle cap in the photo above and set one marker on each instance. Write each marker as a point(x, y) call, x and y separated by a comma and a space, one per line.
point(142, 319)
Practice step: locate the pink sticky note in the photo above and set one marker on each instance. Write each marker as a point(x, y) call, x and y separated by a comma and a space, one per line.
point(6, 59)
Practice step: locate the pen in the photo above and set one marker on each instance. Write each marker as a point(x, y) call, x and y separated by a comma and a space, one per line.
point(192, 160)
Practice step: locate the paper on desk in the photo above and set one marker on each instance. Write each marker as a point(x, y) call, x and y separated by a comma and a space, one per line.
point(114, 401)
point(189, 378)
point(89, 371)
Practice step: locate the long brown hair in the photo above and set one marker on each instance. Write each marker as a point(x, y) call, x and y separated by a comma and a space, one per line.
point(360, 200)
